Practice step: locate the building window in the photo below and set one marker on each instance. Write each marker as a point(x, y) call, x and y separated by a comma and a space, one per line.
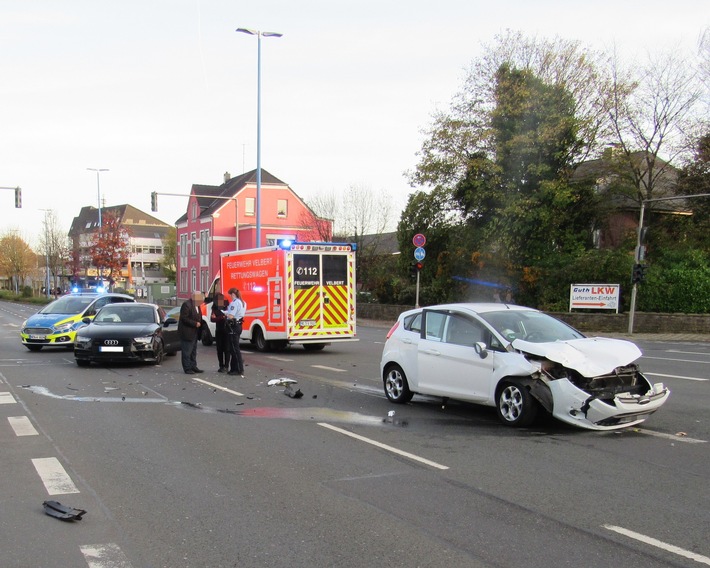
point(193, 244)
point(249, 206)
point(183, 249)
point(194, 280)
point(282, 207)
point(195, 210)
point(204, 248)
point(183, 280)
point(205, 280)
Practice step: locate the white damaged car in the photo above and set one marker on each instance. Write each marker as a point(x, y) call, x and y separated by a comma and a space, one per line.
point(519, 360)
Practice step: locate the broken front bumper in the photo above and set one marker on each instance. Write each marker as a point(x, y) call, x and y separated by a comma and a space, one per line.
point(577, 407)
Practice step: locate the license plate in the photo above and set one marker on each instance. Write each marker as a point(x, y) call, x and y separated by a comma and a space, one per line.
point(38, 337)
point(110, 349)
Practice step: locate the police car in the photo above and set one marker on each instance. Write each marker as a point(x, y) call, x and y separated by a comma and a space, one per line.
point(55, 324)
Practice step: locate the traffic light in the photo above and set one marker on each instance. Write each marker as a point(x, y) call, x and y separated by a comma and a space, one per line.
point(154, 201)
point(413, 271)
point(18, 198)
point(419, 266)
point(639, 273)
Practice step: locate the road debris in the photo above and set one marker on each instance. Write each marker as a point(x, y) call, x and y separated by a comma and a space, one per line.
point(62, 512)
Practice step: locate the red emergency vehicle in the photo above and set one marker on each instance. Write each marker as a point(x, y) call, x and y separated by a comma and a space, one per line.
point(296, 293)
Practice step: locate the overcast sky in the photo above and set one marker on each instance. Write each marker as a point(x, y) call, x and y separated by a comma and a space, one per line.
point(163, 92)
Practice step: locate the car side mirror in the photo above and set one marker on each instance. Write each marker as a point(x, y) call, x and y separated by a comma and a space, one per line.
point(169, 321)
point(481, 349)
point(86, 321)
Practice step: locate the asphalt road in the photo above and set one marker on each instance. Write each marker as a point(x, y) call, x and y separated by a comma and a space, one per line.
point(209, 471)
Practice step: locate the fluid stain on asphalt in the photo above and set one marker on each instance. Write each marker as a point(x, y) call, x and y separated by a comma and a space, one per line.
point(46, 392)
point(312, 413)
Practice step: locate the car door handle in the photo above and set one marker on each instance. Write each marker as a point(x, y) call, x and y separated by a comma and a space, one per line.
point(432, 352)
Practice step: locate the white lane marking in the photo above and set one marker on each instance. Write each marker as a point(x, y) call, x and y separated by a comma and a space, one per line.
point(328, 368)
point(225, 389)
point(283, 359)
point(54, 476)
point(687, 352)
point(677, 360)
point(7, 398)
point(659, 544)
point(676, 377)
point(384, 446)
point(22, 426)
point(104, 556)
point(673, 437)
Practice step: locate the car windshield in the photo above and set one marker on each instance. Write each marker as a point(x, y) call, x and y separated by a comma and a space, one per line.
point(120, 313)
point(68, 305)
point(535, 327)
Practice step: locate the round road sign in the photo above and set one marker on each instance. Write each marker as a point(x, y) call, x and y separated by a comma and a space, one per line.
point(419, 253)
point(419, 240)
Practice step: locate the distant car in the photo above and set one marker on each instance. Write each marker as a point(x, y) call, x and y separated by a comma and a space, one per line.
point(56, 323)
point(125, 333)
point(518, 360)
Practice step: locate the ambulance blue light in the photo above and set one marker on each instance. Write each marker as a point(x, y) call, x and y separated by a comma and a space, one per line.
point(285, 243)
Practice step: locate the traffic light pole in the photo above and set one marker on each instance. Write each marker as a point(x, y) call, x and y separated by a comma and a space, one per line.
point(637, 254)
point(416, 299)
point(18, 195)
point(637, 257)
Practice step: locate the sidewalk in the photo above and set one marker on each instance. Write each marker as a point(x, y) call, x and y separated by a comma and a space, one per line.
point(684, 337)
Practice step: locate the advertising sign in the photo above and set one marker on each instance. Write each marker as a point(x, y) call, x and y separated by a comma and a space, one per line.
point(594, 297)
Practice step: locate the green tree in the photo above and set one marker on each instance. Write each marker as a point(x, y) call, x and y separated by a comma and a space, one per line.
point(517, 198)
point(169, 262)
point(461, 133)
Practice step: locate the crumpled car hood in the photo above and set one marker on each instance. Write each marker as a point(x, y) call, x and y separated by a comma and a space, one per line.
point(590, 356)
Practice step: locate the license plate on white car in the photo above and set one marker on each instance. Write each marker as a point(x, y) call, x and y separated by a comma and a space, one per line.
point(110, 349)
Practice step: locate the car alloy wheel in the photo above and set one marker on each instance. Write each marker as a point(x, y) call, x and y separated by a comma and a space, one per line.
point(515, 405)
point(396, 385)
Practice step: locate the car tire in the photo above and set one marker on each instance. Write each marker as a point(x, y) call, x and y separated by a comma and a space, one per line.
point(33, 347)
point(314, 346)
point(396, 385)
point(159, 353)
point(207, 338)
point(259, 341)
point(83, 362)
point(515, 405)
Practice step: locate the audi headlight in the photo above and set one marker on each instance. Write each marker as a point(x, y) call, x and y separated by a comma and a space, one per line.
point(82, 341)
point(147, 339)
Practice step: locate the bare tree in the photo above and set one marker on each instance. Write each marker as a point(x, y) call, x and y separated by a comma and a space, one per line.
point(364, 211)
point(656, 117)
point(54, 246)
point(318, 218)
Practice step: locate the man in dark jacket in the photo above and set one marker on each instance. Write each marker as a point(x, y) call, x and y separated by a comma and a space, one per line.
point(189, 331)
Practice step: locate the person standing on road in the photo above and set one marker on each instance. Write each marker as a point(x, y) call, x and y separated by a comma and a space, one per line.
point(189, 331)
point(235, 317)
point(220, 335)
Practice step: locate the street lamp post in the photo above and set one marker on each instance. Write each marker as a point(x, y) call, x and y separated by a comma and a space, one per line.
point(46, 248)
point(98, 190)
point(259, 35)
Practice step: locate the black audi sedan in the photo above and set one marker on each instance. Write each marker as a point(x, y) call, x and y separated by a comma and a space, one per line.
point(126, 333)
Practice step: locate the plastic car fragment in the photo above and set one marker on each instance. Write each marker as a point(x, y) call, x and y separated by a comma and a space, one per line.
point(62, 512)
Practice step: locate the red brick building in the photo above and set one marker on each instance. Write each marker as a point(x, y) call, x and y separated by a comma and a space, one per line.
point(223, 218)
